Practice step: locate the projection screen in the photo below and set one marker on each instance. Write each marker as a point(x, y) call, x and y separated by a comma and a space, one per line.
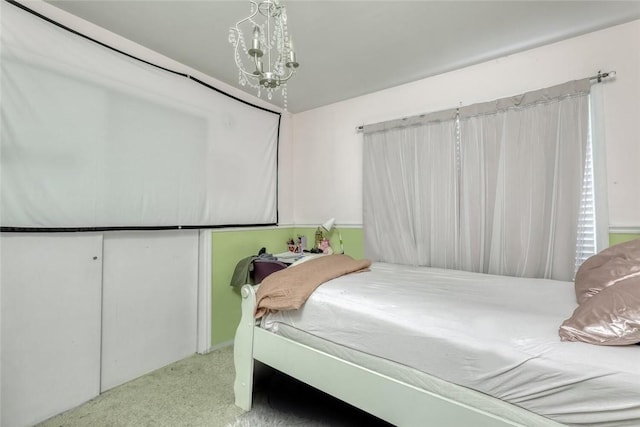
point(94, 139)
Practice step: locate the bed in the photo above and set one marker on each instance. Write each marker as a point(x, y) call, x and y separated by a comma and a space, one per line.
point(419, 346)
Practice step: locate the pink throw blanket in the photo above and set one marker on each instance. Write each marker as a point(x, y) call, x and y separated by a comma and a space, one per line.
point(288, 289)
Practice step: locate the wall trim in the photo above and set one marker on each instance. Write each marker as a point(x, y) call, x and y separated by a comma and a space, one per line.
point(203, 333)
point(624, 229)
point(250, 228)
point(612, 229)
point(279, 227)
point(337, 225)
point(220, 345)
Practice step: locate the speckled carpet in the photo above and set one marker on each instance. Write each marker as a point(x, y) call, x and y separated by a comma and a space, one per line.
point(198, 391)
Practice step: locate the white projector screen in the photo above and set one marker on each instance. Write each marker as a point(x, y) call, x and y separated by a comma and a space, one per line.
point(94, 139)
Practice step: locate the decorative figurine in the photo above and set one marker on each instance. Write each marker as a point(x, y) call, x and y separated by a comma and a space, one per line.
point(325, 246)
point(291, 245)
point(319, 238)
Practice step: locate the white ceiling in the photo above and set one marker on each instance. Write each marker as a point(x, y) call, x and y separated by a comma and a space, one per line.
point(350, 48)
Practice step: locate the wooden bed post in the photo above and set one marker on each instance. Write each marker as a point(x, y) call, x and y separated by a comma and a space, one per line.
point(243, 350)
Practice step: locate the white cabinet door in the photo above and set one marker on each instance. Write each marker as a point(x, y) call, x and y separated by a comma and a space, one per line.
point(50, 338)
point(150, 286)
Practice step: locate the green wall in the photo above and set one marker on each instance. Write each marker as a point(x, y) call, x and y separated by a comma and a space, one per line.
point(230, 246)
point(616, 238)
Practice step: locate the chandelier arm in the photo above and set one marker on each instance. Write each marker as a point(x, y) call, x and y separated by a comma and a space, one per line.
point(271, 15)
point(240, 65)
point(284, 79)
point(236, 28)
point(258, 67)
point(248, 18)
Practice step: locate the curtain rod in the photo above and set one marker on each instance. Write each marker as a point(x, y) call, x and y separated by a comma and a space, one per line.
point(603, 75)
point(598, 79)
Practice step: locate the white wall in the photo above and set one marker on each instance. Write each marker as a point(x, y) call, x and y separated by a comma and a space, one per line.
point(327, 151)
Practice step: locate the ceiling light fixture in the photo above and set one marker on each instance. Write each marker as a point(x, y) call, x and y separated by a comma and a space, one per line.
point(271, 55)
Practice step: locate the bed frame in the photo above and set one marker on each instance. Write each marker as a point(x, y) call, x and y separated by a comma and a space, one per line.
point(387, 398)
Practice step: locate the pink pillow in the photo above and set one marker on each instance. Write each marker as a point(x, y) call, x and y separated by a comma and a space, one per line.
point(606, 268)
point(610, 317)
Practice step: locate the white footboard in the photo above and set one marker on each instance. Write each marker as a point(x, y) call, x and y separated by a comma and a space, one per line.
point(243, 350)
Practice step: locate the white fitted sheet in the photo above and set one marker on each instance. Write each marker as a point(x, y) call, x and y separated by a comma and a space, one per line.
point(494, 334)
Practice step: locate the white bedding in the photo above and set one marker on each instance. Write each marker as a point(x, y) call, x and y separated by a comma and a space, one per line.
point(494, 334)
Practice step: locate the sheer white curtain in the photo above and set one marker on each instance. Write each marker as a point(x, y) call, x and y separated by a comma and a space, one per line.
point(410, 192)
point(521, 180)
point(500, 196)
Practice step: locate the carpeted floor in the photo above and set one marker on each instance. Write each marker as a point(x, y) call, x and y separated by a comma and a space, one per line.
point(198, 391)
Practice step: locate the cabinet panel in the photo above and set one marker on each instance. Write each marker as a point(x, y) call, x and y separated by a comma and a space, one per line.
point(149, 302)
point(50, 340)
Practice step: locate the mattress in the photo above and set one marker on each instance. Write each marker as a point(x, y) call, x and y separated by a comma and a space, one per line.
point(497, 335)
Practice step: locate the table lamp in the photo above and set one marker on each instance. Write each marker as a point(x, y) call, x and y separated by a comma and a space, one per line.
point(330, 224)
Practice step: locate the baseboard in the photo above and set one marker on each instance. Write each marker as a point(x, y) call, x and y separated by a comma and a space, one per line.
point(218, 346)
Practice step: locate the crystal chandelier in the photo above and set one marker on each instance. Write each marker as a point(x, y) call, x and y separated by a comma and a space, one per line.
point(271, 57)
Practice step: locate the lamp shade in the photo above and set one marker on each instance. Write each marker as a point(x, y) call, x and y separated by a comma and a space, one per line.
point(328, 225)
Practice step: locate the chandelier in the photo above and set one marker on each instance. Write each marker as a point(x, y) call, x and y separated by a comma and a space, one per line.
point(271, 58)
